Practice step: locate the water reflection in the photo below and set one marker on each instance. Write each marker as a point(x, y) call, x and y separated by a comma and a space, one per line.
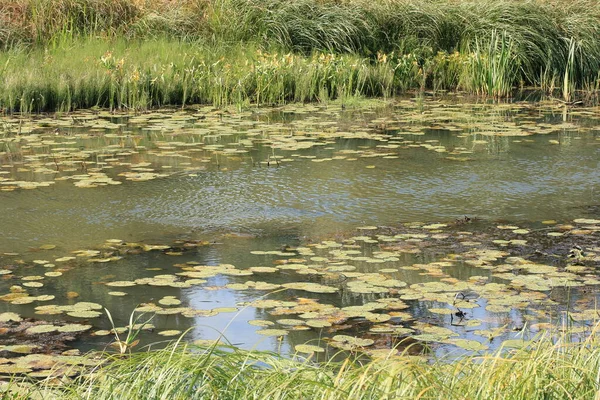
point(428, 162)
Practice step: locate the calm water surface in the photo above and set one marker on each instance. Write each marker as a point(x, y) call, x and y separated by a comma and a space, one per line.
point(430, 162)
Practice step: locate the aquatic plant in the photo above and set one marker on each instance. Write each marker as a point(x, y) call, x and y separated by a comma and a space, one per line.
point(203, 51)
point(544, 368)
point(491, 68)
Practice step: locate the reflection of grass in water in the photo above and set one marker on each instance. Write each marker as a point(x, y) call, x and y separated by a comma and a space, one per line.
point(543, 369)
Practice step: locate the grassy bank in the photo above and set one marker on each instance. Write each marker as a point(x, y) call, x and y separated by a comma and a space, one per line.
point(140, 75)
point(543, 370)
point(80, 53)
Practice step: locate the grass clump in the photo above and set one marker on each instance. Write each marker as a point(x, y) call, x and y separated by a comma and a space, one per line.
point(542, 369)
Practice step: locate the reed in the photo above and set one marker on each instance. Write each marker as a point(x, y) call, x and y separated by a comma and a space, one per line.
point(207, 50)
point(123, 75)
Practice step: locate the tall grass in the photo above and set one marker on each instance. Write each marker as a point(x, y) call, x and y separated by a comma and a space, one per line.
point(123, 74)
point(492, 67)
point(546, 369)
point(481, 46)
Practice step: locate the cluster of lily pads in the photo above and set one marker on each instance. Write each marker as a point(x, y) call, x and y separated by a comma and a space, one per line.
point(97, 148)
point(382, 295)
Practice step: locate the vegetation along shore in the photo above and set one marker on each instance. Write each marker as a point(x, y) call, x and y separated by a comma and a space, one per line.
point(537, 369)
point(229, 184)
point(60, 56)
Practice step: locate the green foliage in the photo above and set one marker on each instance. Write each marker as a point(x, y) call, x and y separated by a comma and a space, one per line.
point(545, 369)
point(140, 75)
point(491, 68)
point(207, 50)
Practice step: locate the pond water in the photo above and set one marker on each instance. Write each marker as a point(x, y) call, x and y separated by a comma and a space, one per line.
point(441, 220)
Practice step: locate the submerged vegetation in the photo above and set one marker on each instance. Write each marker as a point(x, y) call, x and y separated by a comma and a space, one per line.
point(62, 55)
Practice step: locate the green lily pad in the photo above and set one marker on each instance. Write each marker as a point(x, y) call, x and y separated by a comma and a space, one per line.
point(38, 329)
point(20, 348)
point(318, 323)
point(169, 301)
point(74, 328)
point(84, 314)
point(10, 316)
point(352, 340)
point(172, 332)
point(587, 221)
point(260, 322)
point(291, 322)
point(121, 284)
point(63, 259)
point(471, 345)
point(430, 337)
point(272, 332)
point(33, 284)
point(102, 332)
point(13, 369)
point(307, 348)
point(46, 297)
point(310, 287)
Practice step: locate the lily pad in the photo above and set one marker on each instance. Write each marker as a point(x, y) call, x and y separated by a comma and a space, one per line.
point(352, 340)
point(10, 316)
point(307, 348)
point(172, 332)
point(272, 332)
point(38, 329)
point(169, 301)
point(84, 314)
point(74, 328)
point(471, 345)
point(310, 287)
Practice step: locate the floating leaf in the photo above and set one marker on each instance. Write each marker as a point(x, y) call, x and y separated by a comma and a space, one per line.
point(587, 221)
point(318, 323)
point(471, 345)
point(169, 301)
point(307, 348)
point(225, 309)
point(20, 348)
point(121, 284)
point(291, 322)
point(272, 332)
point(310, 287)
point(10, 316)
point(117, 294)
point(33, 284)
point(352, 340)
point(84, 314)
point(172, 332)
point(260, 322)
point(38, 329)
point(74, 328)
